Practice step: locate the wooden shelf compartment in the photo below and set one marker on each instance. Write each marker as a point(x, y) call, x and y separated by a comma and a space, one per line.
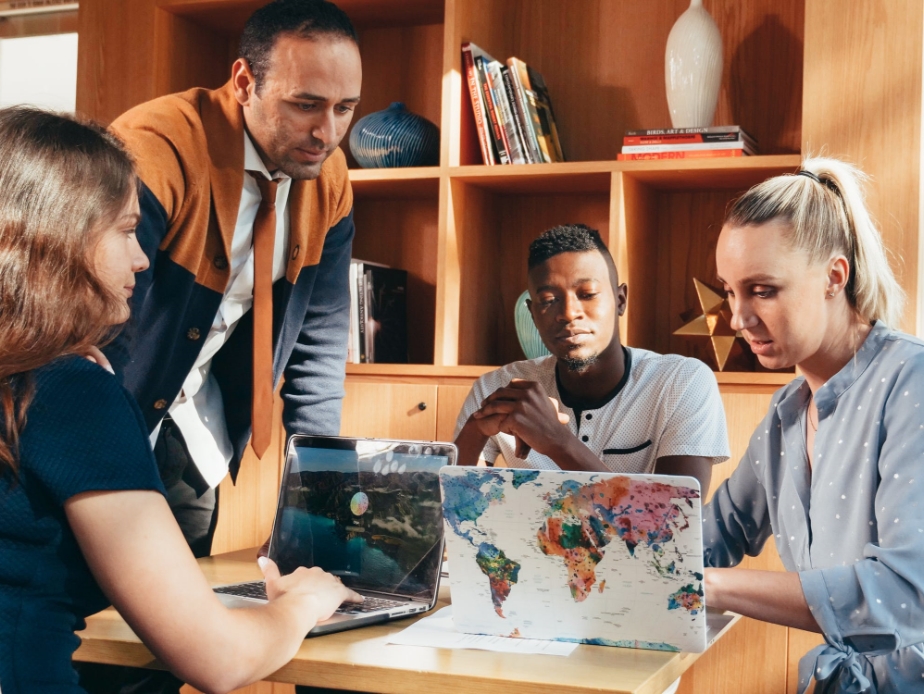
point(488, 237)
point(603, 62)
point(667, 237)
point(401, 232)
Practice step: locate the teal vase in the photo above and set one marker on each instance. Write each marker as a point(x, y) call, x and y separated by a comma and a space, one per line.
point(529, 338)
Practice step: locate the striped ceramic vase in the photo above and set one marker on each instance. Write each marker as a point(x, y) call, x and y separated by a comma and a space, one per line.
point(393, 138)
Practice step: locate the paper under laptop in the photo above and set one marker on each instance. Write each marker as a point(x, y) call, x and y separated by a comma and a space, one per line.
point(367, 510)
point(598, 558)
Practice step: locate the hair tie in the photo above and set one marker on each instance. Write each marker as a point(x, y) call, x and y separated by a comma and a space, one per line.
point(814, 177)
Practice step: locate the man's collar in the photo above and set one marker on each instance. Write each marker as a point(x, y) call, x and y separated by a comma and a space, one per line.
point(253, 161)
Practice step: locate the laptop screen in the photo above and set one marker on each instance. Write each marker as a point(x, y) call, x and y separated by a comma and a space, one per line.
point(367, 511)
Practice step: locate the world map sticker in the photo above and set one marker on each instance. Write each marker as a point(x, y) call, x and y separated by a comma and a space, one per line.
point(596, 558)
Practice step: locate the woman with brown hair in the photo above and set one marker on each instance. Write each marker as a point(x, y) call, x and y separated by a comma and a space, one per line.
point(83, 519)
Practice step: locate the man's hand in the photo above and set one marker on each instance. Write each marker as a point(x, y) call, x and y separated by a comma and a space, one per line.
point(523, 410)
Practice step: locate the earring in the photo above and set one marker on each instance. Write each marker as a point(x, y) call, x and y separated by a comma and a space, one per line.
point(831, 294)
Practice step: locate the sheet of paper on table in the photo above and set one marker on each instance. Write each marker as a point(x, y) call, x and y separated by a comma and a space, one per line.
point(438, 631)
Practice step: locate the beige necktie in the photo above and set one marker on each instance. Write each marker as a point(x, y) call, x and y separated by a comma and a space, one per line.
point(264, 234)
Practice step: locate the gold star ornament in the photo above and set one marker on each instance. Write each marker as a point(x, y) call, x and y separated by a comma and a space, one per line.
point(715, 323)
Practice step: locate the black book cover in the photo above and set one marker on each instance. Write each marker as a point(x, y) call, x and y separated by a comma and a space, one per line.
point(386, 314)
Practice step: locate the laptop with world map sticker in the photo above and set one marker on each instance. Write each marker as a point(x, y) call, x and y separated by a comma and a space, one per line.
point(598, 558)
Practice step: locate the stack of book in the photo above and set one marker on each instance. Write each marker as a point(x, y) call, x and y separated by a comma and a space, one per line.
point(513, 111)
point(378, 314)
point(687, 143)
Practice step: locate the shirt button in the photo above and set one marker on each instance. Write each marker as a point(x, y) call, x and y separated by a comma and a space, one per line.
point(220, 262)
point(295, 251)
point(585, 439)
point(193, 334)
point(588, 416)
point(160, 404)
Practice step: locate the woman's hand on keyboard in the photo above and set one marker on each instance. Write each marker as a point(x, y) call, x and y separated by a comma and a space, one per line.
point(325, 591)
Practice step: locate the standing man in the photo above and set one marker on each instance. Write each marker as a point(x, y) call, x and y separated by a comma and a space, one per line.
point(247, 222)
point(593, 404)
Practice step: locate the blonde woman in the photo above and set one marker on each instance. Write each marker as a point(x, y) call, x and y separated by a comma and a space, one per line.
point(834, 472)
point(83, 519)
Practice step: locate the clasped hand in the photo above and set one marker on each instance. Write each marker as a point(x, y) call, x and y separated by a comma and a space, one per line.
point(524, 411)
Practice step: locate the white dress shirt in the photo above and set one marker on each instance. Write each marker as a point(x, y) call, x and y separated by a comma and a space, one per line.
point(199, 410)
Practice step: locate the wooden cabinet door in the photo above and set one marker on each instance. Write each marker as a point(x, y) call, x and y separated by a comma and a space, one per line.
point(449, 405)
point(385, 410)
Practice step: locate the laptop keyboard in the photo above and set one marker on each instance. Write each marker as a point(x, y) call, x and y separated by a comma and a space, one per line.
point(257, 591)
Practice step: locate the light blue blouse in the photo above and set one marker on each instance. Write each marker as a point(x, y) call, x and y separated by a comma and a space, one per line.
point(853, 525)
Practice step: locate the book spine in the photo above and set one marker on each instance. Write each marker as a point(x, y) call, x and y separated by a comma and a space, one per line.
point(516, 114)
point(687, 131)
point(532, 104)
point(547, 132)
point(361, 313)
point(511, 138)
point(672, 147)
point(474, 91)
point(353, 344)
point(692, 138)
point(698, 154)
point(523, 112)
point(496, 129)
point(370, 321)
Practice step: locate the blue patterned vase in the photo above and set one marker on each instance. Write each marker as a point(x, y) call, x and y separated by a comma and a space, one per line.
point(395, 137)
point(526, 330)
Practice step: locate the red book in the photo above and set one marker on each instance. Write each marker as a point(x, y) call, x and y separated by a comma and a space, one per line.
point(694, 154)
point(474, 90)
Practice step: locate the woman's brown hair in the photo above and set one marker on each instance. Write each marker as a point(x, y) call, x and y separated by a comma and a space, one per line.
point(61, 180)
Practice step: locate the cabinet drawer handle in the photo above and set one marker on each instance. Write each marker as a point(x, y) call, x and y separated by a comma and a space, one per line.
point(421, 406)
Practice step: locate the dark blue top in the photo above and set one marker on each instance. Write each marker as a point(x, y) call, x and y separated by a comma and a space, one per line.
point(83, 433)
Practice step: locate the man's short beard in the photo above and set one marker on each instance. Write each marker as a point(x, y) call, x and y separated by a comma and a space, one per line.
point(580, 365)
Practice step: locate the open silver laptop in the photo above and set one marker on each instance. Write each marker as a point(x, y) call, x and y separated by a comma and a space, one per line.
point(367, 510)
point(599, 558)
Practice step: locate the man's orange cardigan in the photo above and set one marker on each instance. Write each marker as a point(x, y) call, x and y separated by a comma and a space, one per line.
point(189, 151)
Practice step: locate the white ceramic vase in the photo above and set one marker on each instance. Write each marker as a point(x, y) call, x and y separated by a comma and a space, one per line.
point(693, 68)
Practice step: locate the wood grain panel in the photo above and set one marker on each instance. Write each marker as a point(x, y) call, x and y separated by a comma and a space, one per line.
point(800, 643)
point(862, 93)
point(403, 234)
point(258, 688)
point(389, 411)
point(636, 258)
point(450, 401)
point(115, 57)
point(39, 25)
point(189, 54)
point(246, 509)
point(470, 283)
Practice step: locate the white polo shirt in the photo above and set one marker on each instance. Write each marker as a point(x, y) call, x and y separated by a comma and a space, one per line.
point(667, 405)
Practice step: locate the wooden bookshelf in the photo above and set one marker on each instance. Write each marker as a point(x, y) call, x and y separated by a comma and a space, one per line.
point(838, 76)
point(461, 229)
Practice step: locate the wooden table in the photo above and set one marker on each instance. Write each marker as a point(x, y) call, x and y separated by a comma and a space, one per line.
point(360, 659)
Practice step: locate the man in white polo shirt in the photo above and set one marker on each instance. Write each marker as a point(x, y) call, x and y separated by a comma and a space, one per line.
point(593, 404)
